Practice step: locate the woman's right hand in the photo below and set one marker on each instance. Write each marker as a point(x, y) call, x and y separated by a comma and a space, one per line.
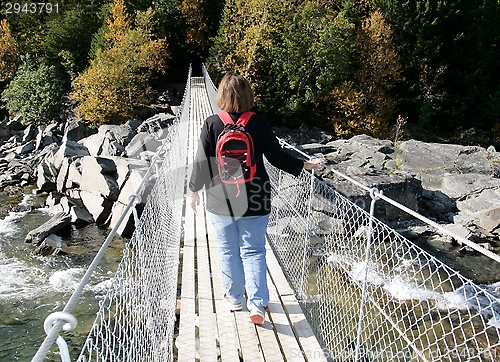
point(313, 164)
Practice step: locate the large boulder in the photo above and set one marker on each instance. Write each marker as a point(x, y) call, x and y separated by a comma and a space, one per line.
point(75, 131)
point(439, 181)
point(4, 131)
point(46, 177)
point(98, 207)
point(69, 149)
point(99, 177)
point(136, 172)
point(110, 140)
point(143, 141)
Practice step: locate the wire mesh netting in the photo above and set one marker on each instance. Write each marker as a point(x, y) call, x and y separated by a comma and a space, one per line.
point(136, 319)
point(369, 293)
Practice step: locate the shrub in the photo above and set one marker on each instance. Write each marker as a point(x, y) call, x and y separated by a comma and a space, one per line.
point(34, 93)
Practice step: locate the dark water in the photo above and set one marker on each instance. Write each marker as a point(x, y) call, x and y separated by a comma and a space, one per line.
point(32, 286)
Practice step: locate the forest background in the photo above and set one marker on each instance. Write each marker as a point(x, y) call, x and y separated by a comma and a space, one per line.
point(393, 69)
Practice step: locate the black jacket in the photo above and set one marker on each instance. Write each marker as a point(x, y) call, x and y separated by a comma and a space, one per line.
point(255, 196)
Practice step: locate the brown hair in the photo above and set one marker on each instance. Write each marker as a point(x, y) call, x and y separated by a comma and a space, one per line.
point(235, 94)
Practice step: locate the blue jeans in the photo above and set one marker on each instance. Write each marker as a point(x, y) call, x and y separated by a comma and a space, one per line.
point(242, 248)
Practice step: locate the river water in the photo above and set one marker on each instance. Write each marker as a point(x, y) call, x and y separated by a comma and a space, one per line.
point(32, 286)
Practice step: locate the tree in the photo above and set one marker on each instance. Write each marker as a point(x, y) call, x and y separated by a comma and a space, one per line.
point(378, 74)
point(117, 79)
point(9, 52)
point(68, 37)
point(34, 93)
point(450, 54)
point(291, 51)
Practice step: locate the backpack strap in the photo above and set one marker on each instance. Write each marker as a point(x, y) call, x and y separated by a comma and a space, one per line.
point(225, 118)
point(243, 120)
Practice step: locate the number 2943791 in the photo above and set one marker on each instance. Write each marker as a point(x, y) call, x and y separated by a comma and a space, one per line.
point(31, 8)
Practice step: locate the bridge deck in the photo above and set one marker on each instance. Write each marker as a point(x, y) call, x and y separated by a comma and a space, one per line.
point(208, 331)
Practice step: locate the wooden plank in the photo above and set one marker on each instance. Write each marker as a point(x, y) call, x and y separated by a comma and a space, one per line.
point(228, 334)
point(285, 334)
point(250, 345)
point(310, 346)
point(208, 326)
point(186, 340)
point(267, 337)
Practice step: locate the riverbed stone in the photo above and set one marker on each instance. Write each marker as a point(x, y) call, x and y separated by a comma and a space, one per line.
point(50, 246)
point(57, 222)
point(80, 216)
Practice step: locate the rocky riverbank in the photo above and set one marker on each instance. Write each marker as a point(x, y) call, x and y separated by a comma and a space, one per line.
point(457, 186)
point(88, 175)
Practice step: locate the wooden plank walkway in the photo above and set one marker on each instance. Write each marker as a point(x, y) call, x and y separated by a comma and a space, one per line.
point(208, 331)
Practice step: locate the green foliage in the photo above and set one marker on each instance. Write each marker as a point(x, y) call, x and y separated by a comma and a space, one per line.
point(34, 93)
point(292, 52)
point(68, 37)
point(451, 56)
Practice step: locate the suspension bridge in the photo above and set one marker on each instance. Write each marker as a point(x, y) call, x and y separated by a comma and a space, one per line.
point(343, 285)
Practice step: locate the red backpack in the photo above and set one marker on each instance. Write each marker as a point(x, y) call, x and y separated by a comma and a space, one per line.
point(235, 151)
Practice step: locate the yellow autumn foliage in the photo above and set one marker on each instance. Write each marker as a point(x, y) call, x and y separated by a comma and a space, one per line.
point(117, 79)
point(9, 52)
point(367, 105)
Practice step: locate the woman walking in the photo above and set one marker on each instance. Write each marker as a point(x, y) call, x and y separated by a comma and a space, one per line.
point(239, 213)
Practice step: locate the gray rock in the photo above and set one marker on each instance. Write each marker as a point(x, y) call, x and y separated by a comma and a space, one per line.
point(93, 143)
point(69, 149)
point(26, 148)
point(29, 133)
point(46, 177)
point(4, 131)
point(124, 167)
point(110, 140)
point(127, 227)
point(62, 175)
point(142, 142)
point(80, 216)
point(420, 157)
point(75, 131)
point(98, 207)
point(99, 177)
point(57, 222)
point(15, 125)
point(52, 245)
point(489, 221)
point(312, 148)
point(74, 176)
point(453, 178)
